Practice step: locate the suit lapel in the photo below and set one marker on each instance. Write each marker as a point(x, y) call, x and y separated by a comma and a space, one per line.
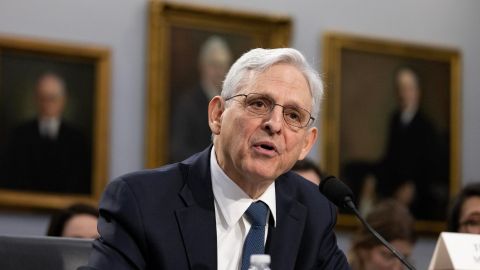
point(287, 234)
point(197, 220)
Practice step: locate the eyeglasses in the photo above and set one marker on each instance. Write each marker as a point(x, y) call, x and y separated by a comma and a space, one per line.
point(262, 105)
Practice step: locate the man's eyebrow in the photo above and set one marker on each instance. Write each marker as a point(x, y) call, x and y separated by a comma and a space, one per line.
point(294, 103)
point(289, 103)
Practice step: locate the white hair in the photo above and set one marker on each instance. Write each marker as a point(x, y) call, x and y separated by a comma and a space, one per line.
point(257, 61)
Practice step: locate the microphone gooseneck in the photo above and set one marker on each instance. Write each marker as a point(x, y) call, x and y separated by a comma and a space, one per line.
point(342, 196)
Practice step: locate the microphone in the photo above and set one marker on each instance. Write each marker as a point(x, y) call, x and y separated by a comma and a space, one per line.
point(342, 196)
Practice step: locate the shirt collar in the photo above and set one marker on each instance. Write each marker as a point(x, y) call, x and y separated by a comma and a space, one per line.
point(406, 116)
point(231, 199)
point(49, 126)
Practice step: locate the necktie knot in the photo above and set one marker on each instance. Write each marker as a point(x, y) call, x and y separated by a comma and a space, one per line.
point(257, 213)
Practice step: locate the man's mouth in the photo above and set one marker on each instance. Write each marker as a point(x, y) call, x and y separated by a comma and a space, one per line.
point(266, 148)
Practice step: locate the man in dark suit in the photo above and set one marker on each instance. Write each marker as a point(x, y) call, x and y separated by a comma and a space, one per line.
point(47, 153)
point(189, 133)
point(410, 169)
point(237, 197)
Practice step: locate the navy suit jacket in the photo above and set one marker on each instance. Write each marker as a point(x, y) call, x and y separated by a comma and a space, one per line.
point(165, 219)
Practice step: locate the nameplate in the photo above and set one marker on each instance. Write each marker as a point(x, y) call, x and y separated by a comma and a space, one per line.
point(456, 251)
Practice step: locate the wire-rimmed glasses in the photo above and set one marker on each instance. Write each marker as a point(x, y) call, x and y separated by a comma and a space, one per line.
point(262, 105)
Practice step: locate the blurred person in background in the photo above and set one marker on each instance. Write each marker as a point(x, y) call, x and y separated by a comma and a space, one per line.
point(48, 153)
point(465, 213)
point(409, 171)
point(77, 221)
point(308, 170)
point(394, 222)
point(189, 132)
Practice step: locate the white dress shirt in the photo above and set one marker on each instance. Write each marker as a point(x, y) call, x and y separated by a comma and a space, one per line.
point(231, 202)
point(406, 116)
point(49, 127)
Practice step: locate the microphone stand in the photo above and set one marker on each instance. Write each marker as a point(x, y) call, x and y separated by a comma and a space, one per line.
point(349, 204)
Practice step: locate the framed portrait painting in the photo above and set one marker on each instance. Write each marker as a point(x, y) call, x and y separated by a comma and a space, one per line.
point(190, 50)
point(392, 124)
point(53, 122)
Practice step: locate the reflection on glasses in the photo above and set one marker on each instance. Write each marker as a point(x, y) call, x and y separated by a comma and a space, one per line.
point(262, 105)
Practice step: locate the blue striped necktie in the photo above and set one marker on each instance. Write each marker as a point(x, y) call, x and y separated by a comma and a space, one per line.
point(255, 241)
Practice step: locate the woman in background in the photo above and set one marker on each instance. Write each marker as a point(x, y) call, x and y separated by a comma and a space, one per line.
point(77, 221)
point(395, 223)
point(465, 213)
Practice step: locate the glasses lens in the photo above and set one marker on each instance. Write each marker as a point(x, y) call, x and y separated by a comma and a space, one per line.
point(258, 104)
point(296, 117)
point(262, 105)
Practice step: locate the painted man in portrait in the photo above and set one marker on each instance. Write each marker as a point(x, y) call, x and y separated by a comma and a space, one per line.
point(47, 153)
point(189, 132)
point(409, 170)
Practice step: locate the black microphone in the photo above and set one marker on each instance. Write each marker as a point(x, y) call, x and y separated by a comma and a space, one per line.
point(342, 196)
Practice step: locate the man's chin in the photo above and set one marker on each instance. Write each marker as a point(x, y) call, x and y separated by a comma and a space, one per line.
point(264, 173)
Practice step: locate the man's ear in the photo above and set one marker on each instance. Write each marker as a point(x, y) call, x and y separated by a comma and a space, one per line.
point(216, 107)
point(308, 142)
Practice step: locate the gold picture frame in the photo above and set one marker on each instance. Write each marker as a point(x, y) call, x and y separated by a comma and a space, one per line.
point(362, 130)
point(176, 32)
point(40, 173)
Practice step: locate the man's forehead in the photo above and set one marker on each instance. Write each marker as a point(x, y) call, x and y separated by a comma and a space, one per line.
point(407, 76)
point(219, 55)
point(50, 84)
point(298, 92)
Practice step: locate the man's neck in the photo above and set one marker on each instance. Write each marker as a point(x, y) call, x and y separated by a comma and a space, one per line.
point(48, 118)
point(407, 114)
point(254, 190)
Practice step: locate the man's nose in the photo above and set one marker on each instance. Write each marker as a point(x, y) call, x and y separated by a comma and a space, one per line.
point(274, 120)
